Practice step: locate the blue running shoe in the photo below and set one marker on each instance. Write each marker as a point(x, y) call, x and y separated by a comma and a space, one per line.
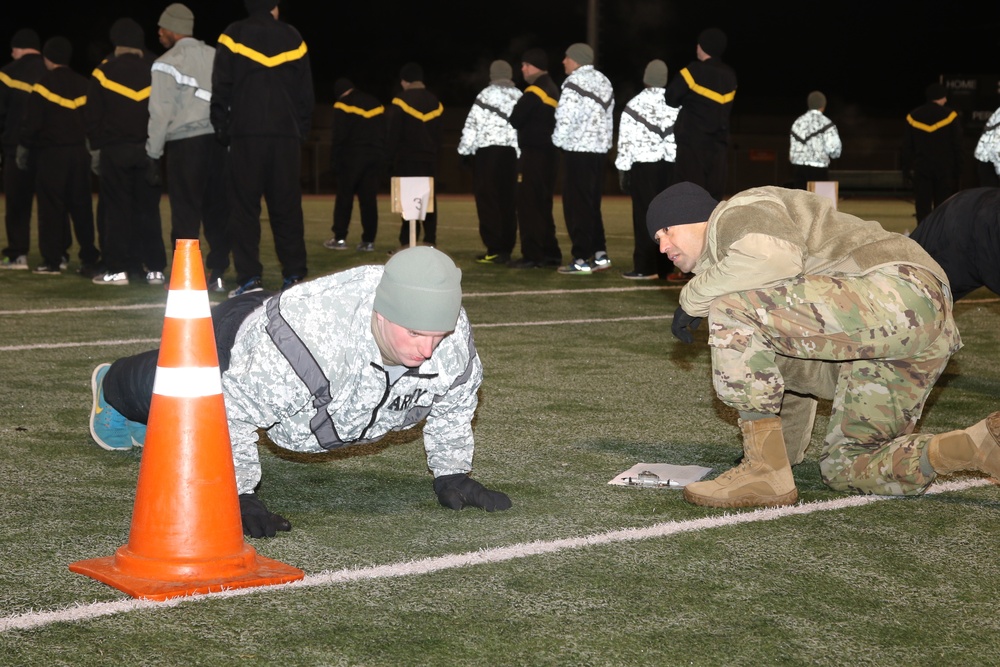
point(107, 425)
point(137, 432)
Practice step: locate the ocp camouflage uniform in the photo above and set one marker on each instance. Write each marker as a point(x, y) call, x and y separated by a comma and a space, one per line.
point(346, 396)
point(810, 301)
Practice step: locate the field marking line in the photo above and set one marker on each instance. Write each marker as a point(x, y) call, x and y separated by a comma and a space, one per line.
point(86, 612)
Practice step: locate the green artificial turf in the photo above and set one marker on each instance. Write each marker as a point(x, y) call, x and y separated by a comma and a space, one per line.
point(582, 380)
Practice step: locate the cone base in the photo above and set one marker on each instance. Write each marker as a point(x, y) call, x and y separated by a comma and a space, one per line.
point(260, 571)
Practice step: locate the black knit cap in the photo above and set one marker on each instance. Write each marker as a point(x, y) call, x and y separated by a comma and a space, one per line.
point(713, 42)
point(935, 91)
point(259, 6)
point(411, 73)
point(126, 32)
point(680, 204)
point(341, 86)
point(25, 38)
point(58, 50)
point(536, 57)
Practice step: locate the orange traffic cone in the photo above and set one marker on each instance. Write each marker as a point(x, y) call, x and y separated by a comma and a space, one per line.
point(186, 535)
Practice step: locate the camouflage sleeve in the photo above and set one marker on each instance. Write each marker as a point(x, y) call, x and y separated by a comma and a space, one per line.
point(448, 438)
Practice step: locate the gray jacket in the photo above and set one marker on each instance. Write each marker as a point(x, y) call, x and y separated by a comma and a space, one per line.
point(180, 94)
point(306, 368)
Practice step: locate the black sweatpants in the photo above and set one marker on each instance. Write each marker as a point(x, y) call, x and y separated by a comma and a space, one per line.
point(19, 195)
point(197, 173)
point(133, 234)
point(268, 167)
point(704, 162)
point(63, 187)
point(648, 179)
point(128, 384)
point(583, 182)
point(535, 191)
point(359, 177)
point(494, 177)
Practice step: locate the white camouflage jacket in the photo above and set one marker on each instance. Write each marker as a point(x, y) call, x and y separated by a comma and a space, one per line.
point(585, 115)
point(488, 122)
point(180, 94)
point(814, 140)
point(338, 393)
point(988, 147)
point(646, 130)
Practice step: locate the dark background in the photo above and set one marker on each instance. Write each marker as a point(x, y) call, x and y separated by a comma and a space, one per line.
point(871, 58)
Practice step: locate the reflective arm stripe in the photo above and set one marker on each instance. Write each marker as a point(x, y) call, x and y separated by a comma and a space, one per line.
point(706, 92)
point(15, 83)
point(931, 128)
point(492, 109)
point(590, 95)
point(663, 134)
point(183, 80)
point(188, 304)
point(57, 99)
point(543, 96)
point(187, 382)
point(818, 132)
point(124, 91)
point(258, 57)
point(422, 117)
point(358, 111)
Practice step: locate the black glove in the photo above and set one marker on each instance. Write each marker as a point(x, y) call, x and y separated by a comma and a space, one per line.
point(258, 521)
point(624, 180)
point(153, 172)
point(21, 158)
point(683, 325)
point(460, 490)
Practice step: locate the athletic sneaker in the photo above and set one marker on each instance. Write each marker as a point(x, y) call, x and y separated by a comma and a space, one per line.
point(366, 246)
point(64, 262)
point(120, 278)
point(678, 277)
point(107, 426)
point(635, 275)
point(20, 262)
point(136, 432)
point(289, 281)
point(601, 261)
point(252, 285)
point(47, 269)
point(156, 278)
point(216, 284)
point(579, 267)
point(498, 258)
point(335, 244)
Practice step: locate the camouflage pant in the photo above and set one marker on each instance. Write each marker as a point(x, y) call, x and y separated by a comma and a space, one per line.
point(888, 335)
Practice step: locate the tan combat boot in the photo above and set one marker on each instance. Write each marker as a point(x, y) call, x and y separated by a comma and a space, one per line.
point(763, 479)
point(974, 448)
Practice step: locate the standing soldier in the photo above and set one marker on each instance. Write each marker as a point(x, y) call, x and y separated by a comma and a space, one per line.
point(534, 116)
point(357, 156)
point(987, 153)
point(491, 141)
point(178, 123)
point(932, 151)
point(645, 162)
point(262, 104)
point(16, 80)
point(584, 129)
point(814, 141)
point(414, 130)
point(704, 93)
point(53, 136)
point(117, 116)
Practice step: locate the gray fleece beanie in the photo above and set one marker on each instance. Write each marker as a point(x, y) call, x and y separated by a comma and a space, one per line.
point(656, 74)
point(581, 54)
point(500, 70)
point(177, 18)
point(421, 289)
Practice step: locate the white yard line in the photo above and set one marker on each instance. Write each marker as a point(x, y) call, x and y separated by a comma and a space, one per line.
point(86, 612)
